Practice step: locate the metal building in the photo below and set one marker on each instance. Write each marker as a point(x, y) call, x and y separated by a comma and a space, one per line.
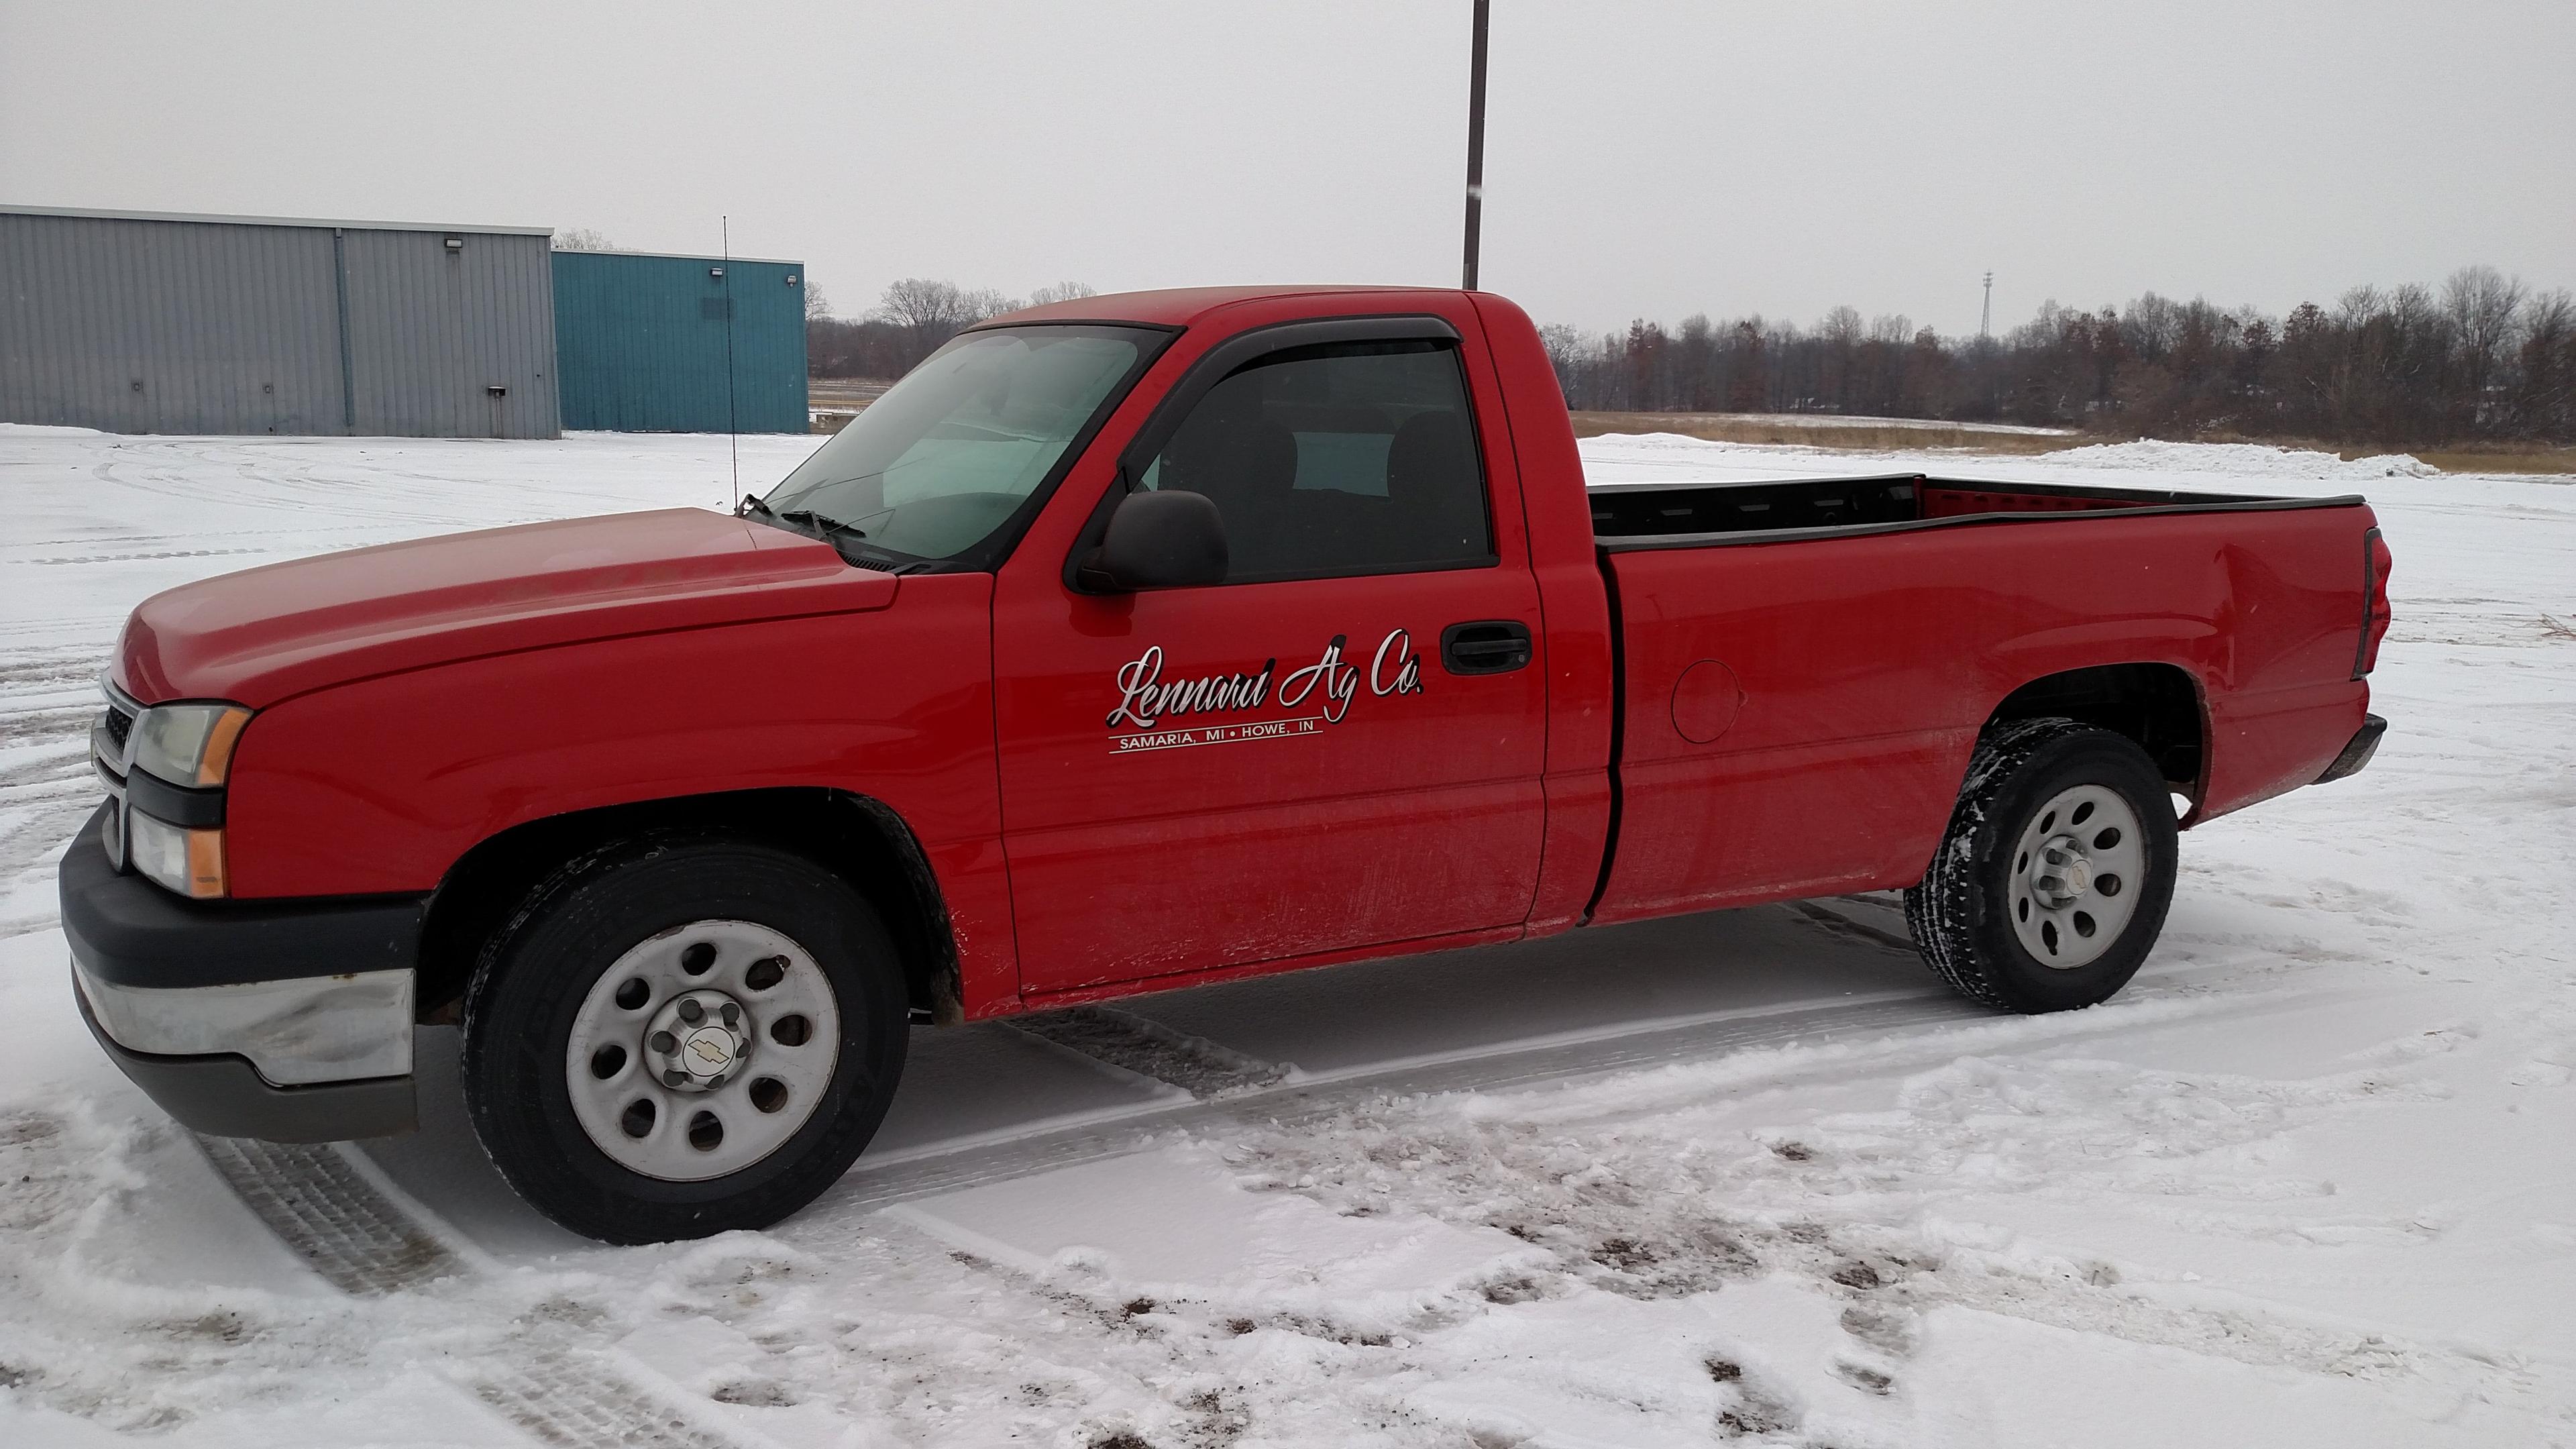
point(655, 343)
point(146, 322)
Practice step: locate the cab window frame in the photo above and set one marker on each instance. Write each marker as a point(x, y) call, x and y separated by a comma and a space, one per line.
point(1251, 348)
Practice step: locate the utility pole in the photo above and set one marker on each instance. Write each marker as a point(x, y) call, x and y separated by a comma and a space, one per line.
point(1986, 314)
point(1475, 145)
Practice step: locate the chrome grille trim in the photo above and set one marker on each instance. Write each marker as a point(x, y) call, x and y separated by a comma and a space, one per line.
point(111, 747)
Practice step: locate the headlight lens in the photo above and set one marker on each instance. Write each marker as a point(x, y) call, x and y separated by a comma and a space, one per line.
point(189, 744)
point(190, 862)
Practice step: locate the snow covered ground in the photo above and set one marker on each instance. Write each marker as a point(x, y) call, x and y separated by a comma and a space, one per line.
point(1744, 1177)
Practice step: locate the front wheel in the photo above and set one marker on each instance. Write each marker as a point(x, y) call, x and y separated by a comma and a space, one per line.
point(678, 1037)
point(2051, 884)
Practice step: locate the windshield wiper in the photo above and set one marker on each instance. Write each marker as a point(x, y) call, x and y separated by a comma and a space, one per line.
point(751, 504)
point(818, 522)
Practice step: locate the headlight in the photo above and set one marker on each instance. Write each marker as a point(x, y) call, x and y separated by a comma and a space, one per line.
point(190, 862)
point(189, 744)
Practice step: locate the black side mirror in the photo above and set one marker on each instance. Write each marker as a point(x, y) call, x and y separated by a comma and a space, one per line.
point(1168, 539)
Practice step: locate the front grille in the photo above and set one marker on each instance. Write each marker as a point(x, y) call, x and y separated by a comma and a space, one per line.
point(108, 745)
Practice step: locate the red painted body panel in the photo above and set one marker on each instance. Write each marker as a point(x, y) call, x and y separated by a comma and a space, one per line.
point(1793, 716)
point(258, 636)
point(1858, 708)
point(1576, 608)
point(1142, 848)
point(1214, 308)
point(382, 784)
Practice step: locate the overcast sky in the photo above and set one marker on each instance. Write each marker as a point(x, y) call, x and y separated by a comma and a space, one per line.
point(1642, 159)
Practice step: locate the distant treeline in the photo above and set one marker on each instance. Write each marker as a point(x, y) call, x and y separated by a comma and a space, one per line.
point(2479, 359)
point(908, 323)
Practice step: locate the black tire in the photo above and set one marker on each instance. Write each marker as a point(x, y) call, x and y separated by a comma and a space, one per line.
point(1961, 912)
point(535, 973)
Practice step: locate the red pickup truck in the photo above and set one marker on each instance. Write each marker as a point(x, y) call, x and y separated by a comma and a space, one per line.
point(1132, 643)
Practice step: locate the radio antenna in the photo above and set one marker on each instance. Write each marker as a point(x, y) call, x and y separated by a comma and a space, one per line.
point(733, 430)
point(1475, 144)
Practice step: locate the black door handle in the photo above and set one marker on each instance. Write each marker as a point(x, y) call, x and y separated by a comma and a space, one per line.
point(1486, 646)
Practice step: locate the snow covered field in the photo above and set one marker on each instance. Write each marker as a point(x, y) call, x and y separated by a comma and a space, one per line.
point(1744, 1177)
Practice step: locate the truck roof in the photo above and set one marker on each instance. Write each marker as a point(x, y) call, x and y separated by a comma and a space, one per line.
point(1181, 306)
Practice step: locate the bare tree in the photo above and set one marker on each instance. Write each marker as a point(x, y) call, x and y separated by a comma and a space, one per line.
point(2151, 326)
point(817, 306)
point(582, 239)
point(2545, 394)
point(2480, 305)
point(930, 312)
point(1062, 292)
point(1566, 352)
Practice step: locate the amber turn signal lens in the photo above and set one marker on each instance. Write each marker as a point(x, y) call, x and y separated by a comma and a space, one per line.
point(206, 876)
point(217, 761)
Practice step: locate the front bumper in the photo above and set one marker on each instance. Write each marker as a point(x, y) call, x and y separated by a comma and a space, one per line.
point(289, 1021)
point(225, 1096)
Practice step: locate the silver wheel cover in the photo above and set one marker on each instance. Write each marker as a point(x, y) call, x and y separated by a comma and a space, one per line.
point(2075, 876)
point(730, 1089)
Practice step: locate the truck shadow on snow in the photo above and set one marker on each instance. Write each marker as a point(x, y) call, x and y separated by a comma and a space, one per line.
point(995, 1093)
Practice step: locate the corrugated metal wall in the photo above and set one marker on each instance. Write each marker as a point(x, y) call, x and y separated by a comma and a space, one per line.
point(153, 325)
point(642, 346)
point(452, 343)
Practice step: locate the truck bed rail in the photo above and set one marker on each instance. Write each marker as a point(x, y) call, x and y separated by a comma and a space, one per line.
point(1627, 518)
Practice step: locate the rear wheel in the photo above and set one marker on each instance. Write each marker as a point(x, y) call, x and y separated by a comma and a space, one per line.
point(2051, 884)
point(683, 1036)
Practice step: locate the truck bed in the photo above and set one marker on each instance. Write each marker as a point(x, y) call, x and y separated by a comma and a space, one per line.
point(1693, 515)
point(1795, 721)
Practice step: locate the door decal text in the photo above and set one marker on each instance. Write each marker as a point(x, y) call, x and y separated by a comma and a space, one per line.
point(1146, 702)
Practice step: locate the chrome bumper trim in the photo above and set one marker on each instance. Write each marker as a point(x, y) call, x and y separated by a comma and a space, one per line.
point(295, 1032)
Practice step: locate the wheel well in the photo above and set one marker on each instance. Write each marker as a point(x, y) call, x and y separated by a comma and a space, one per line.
point(861, 840)
point(2155, 705)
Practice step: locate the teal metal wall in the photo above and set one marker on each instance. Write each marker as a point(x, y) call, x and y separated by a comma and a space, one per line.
point(640, 343)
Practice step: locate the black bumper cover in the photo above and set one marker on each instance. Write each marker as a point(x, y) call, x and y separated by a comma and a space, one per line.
point(125, 930)
point(2365, 743)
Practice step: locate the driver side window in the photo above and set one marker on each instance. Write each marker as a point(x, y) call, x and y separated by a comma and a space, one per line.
point(1338, 459)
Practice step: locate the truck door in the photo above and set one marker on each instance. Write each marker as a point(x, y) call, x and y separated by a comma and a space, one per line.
point(1337, 748)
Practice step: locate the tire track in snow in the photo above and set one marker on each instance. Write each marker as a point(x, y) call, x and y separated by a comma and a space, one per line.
point(1877, 1034)
point(1886, 1022)
point(363, 1242)
point(98, 558)
point(48, 700)
point(571, 1399)
point(1655, 1229)
point(1834, 923)
point(1213, 1073)
point(1149, 1049)
point(313, 1199)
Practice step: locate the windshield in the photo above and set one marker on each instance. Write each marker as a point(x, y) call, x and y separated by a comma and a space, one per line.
point(940, 463)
